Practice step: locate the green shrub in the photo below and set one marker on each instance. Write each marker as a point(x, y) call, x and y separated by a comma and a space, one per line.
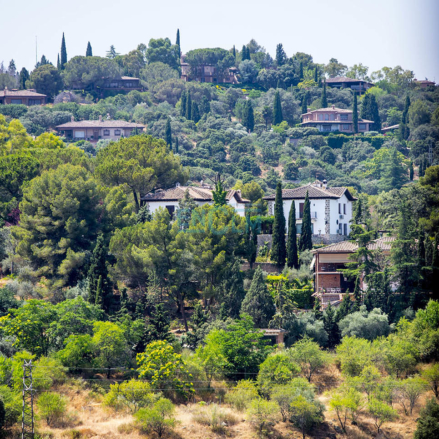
point(51, 407)
point(13, 110)
point(242, 395)
point(158, 418)
point(215, 417)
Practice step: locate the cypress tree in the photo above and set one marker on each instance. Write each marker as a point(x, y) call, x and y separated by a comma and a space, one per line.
point(435, 260)
point(183, 103)
point(176, 145)
point(305, 240)
point(177, 43)
point(89, 51)
point(357, 295)
point(249, 121)
point(292, 259)
point(243, 53)
point(278, 247)
point(195, 112)
point(258, 302)
point(157, 327)
point(421, 249)
point(168, 133)
point(188, 107)
point(277, 109)
point(324, 100)
point(99, 284)
point(232, 291)
point(58, 65)
point(304, 105)
point(63, 52)
point(317, 309)
point(316, 76)
point(355, 114)
point(196, 334)
point(251, 238)
point(411, 171)
point(301, 70)
point(234, 52)
point(404, 129)
point(369, 111)
point(24, 76)
point(345, 307)
point(358, 212)
point(331, 327)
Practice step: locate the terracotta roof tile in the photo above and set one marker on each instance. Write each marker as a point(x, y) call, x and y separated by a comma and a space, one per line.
point(345, 79)
point(384, 243)
point(18, 93)
point(313, 193)
point(100, 124)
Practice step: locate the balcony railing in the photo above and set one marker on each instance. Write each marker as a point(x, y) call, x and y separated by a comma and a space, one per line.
point(299, 215)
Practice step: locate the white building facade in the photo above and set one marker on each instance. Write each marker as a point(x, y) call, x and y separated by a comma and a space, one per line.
point(331, 210)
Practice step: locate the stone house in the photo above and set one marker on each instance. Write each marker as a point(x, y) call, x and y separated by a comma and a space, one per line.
point(334, 119)
point(94, 130)
point(22, 97)
point(357, 85)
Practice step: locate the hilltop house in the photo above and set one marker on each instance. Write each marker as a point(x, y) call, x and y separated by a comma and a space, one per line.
point(330, 284)
point(201, 195)
point(22, 97)
point(334, 119)
point(125, 83)
point(331, 210)
point(357, 85)
point(207, 73)
point(424, 83)
point(93, 130)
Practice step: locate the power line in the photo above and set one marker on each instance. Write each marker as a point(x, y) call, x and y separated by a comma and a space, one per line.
point(27, 423)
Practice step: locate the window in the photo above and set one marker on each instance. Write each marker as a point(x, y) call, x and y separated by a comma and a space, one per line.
point(106, 132)
point(346, 127)
point(320, 116)
point(344, 209)
point(298, 229)
point(117, 132)
point(34, 101)
point(16, 101)
point(301, 209)
point(345, 229)
point(339, 207)
point(171, 210)
point(326, 127)
point(326, 116)
point(343, 117)
point(80, 134)
point(362, 126)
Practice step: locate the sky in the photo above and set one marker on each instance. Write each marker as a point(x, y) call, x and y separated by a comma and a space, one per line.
point(376, 33)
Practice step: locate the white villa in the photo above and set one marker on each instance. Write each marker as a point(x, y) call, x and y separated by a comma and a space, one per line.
point(331, 209)
point(202, 195)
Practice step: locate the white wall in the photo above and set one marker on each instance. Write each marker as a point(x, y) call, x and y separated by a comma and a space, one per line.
point(335, 216)
point(239, 207)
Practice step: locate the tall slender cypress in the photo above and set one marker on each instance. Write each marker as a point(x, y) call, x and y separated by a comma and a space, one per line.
point(183, 103)
point(63, 52)
point(195, 112)
point(234, 52)
point(305, 241)
point(355, 114)
point(168, 133)
point(411, 171)
point(176, 145)
point(89, 51)
point(304, 105)
point(316, 75)
point(58, 64)
point(278, 247)
point(24, 76)
point(243, 53)
point(177, 43)
point(250, 116)
point(292, 259)
point(324, 101)
point(277, 109)
point(301, 70)
point(188, 107)
point(403, 128)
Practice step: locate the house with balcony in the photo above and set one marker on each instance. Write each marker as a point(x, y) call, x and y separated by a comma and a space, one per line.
point(170, 198)
point(94, 130)
point(331, 210)
point(207, 73)
point(334, 119)
point(22, 97)
point(331, 284)
point(124, 83)
point(358, 85)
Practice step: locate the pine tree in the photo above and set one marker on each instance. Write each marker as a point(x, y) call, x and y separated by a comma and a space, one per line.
point(292, 258)
point(186, 206)
point(301, 70)
point(99, 283)
point(24, 76)
point(89, 51)
point(196, 335)
point(394, 174)
point(157, 327)
point(63, 52)
point(411, 171)
point(277, 109)
point(258, 302)
point(355, 114)
point(143, 215)
point(219, 194)
point(324, 100)
point(278, 247)
point(281, 56)
point(305, 240)
point(188, 113)
point(331, 327)
point(176, 145)
point(183, 101)
point(232, 291)
point(195, 112)
point(358, 297)
point(168, 133)
point(177, 43)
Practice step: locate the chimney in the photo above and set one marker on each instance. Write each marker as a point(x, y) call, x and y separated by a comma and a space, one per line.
point(325, 184)
point(333, 107)
point(72, 119)
point(100, 118)
point(239, 192)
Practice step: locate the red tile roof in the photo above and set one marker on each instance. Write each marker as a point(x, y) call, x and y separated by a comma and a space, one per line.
point(99, 124)
point(384, 243)
point(313, 193)
point(19, 93)
point(342, 79)
point(196, 193)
